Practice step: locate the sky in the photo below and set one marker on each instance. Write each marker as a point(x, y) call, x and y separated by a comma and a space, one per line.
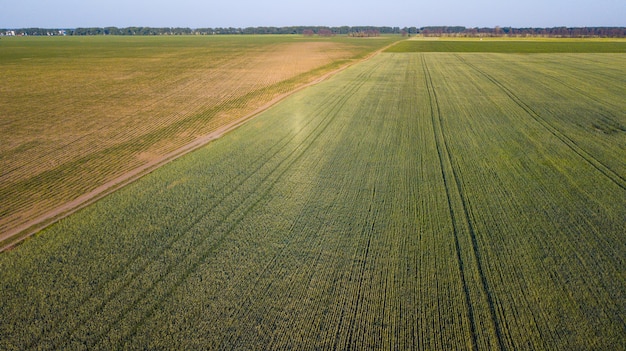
point(280, 13)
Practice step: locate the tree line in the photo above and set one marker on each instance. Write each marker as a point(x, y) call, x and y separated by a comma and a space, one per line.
point(563, 32)
point(357, 31)
point(315, 30)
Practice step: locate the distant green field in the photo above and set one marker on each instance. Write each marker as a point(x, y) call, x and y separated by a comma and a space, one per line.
point(511, 46)
point(431, 201)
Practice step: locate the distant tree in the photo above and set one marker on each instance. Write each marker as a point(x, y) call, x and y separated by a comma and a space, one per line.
point(324, 32)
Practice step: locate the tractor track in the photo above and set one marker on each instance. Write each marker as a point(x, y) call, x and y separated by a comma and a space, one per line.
point(454, 194)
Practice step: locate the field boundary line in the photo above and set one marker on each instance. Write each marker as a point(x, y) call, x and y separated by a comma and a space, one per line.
point(571, 144)
point(14, 236)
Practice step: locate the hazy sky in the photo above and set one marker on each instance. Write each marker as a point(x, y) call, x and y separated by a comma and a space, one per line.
point(252, 13)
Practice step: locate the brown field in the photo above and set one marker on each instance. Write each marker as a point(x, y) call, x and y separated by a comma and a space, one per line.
point(77, 113)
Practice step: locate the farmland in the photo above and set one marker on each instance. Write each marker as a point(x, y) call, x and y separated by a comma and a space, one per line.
point(436, 201)
point(77, 113)
point(498, 45)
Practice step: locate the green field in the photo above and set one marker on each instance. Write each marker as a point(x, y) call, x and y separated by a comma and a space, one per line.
point(517, 46)
point(432, 201)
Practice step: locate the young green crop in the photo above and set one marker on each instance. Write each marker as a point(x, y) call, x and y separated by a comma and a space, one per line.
point(415, 201)
point(526, 46)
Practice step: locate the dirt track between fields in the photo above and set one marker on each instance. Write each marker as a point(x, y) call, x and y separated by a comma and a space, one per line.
point(39, 223)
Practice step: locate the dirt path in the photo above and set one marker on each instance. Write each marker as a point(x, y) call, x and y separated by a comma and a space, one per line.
point(35, 225)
